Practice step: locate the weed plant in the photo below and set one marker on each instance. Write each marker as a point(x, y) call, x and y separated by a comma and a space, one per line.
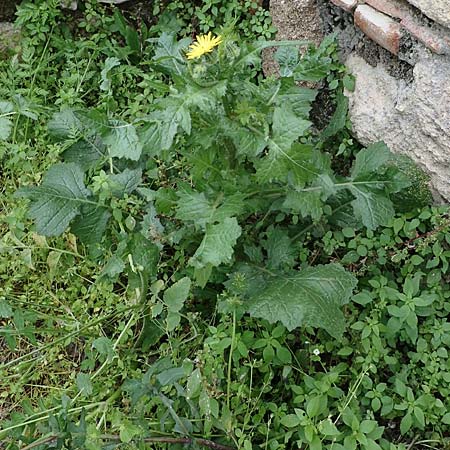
point(203, 268)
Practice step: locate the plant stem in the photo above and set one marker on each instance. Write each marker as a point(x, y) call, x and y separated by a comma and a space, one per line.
point(230, 359)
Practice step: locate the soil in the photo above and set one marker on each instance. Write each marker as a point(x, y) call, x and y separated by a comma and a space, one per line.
point(8, 9)
point(294, 20)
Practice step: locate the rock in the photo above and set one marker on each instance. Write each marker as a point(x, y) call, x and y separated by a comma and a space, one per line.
point(9, 37)
point(294, 19)
point(412, 118)
point(438, 10)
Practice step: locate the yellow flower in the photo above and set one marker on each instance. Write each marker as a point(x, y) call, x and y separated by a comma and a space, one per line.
point(204, 44)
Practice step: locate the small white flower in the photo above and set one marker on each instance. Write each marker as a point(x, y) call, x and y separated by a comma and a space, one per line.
point(306, 342)
point(316, 351)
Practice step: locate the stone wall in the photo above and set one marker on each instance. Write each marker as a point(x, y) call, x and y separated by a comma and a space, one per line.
point(411, 114)
point(399, 52)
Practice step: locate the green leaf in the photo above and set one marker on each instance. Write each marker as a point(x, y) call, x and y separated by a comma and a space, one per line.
point(311, 297)
point(115, 266)
point(168, 53)
point(64, 124)
point(126, 181)
point(286, 127)
point(296, 161)
point(86, 152)
point(91, 224)
point(193, 206)
point(290, 420)
point(84, 384)
point(287, 58)
point(5, 309)
point(369, 160)
point(420, 417)
point(194, 384)
point(338, 119)
point(406, 423)
point(5, 128)
point(329, 428)
point(217, 244)
point(247, 143)
point(123, 141)
point(372, 445)
point(306, 203)
point(316, 406)
point(110, 63)
point(176, 295)
point(446, 419)
point(281, 252)
point(104, 346)
point(128, 431)
point(58, 199)
point(170, 376)
point(6, 107)
point(372, 208)
point(298, 98)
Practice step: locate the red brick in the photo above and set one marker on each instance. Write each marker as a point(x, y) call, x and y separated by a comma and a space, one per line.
point(379, 27)
point(428, 37)
point(393, 8)
point(348, 5)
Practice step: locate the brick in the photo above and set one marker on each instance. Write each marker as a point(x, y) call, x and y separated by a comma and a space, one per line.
point(379, 27)
point(427, 36)
point(393, 8)
point(348, 5)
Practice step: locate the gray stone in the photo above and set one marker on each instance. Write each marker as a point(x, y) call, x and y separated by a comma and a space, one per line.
point(411, 118)
point(438, 10)
point(9, 37)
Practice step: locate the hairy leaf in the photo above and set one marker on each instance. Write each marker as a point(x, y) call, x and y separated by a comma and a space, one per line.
point(168, 53)
point(370, 159)
point(306, 203)
point(58, 199)
point(338, 119)
point(371, 207)
point(64, 124)
point(280, 249)
point(91, 224)
point(195, 207)
point(217, 244)
point(287, 58)
point(5, 128)
point(299, 99)
point(298, 161)
point(123, 141)
point(85, 152)
point(312, 297)
point(287, 127)
point(126, 181)
point(176, 295)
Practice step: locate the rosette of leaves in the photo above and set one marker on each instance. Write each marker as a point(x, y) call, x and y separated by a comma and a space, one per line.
point(219, 161)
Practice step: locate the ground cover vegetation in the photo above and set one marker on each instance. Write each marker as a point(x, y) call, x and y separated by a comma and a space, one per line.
point(187, 260)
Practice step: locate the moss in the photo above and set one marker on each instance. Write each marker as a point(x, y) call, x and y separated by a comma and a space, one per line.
point(418, 194)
